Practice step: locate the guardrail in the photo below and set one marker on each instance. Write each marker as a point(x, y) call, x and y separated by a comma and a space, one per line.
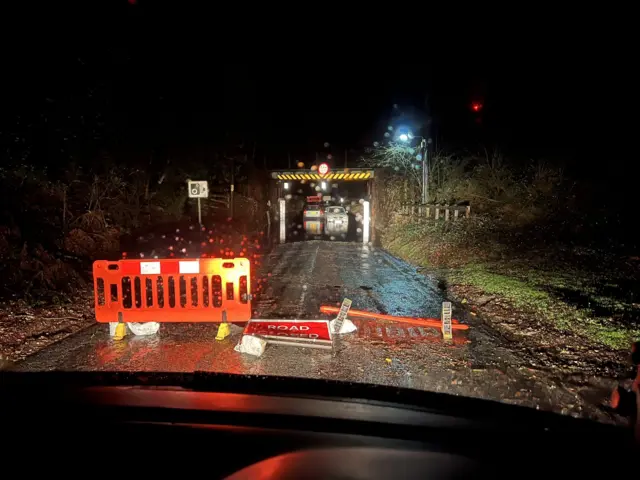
point(436, 212)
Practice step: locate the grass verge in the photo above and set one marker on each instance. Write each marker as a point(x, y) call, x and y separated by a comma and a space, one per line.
point(566, 288)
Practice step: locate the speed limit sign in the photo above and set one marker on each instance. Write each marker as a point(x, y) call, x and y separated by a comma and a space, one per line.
point(198, 189)
point(323, 169)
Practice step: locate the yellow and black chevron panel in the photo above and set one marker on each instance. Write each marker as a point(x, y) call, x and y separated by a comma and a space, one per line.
point(337, 175)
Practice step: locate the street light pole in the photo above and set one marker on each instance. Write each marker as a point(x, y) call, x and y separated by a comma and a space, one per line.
point(425, 171)
point(424, 147)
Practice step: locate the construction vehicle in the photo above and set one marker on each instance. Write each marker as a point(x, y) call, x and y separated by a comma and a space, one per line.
point(313, 216)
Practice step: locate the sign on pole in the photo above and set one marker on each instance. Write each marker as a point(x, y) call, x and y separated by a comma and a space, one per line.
point(446, 321)
point(198, 189)
point(342, 314)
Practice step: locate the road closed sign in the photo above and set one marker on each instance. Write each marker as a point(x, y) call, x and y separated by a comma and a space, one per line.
point(313, 330)
point(198, 189)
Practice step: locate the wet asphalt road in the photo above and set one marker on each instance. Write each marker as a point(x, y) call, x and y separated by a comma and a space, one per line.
point(302, 276)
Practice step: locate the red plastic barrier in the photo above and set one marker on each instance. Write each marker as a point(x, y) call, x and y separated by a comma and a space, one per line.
point(172, 290)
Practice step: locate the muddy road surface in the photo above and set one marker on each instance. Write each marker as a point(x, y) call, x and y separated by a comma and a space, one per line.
point(298, 278)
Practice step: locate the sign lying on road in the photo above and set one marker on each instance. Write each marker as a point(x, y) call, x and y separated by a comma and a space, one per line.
point(299, 333)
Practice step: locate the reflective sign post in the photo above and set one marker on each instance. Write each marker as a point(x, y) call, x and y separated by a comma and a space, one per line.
point(283, 232)
point(365, 222)
point(446, 321)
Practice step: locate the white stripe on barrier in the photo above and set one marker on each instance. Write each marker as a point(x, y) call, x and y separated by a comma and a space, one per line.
point(149, 268)
point(190, 267)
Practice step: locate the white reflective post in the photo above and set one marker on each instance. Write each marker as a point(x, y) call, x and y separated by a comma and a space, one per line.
point(365, 223)
point(283, 232)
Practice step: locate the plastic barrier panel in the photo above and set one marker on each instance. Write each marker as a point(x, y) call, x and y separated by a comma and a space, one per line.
point(172, 290)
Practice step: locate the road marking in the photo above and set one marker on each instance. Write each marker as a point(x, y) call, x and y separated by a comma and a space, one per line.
point(305, 288)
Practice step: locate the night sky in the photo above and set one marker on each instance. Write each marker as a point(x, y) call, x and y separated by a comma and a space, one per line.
point(132, 76)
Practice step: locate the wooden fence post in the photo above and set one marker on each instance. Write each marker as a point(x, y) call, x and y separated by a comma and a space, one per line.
point(468, 213)
point(437, 213)
point(446, 213)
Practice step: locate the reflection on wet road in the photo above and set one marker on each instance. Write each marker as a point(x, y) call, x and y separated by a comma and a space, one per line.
point(302, 276)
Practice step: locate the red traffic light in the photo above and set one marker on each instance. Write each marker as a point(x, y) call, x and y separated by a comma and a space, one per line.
point(476, 106)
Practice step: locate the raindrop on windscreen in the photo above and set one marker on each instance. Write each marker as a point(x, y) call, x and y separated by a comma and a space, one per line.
point(376, 144)
point(335, 185)
point(361, 201)
point(312, 184)
point(177, 230)
point(419, 157)
point(300, 191)
point(390, 128)
point(300, 164)
point(332, 237)
point(329, 157)
point(142, 255)
point(318, 189)
point(190, 227)
point(184, 250)
point(288, 196)
point(395, 106)
point(326, 144)
point(298, 226)
point(162, 236)
point(359, 230)
point(177, 239)
point(387, 134)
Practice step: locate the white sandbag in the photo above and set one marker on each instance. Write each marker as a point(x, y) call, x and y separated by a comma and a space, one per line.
point(145, 328)
point(252, 345)
point(347, 326)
